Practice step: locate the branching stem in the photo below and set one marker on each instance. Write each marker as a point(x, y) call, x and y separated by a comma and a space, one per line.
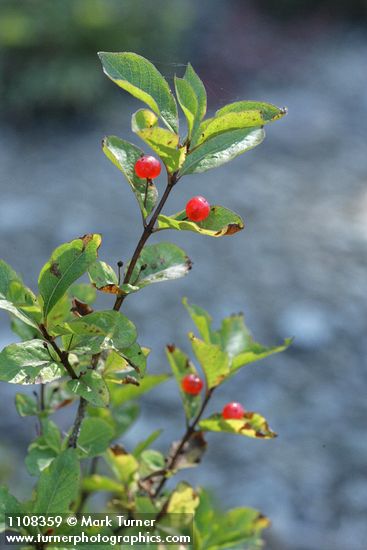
point(185, 438)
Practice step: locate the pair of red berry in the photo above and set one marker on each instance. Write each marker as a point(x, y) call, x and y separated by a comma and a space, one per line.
point(148, 167)
point(193, 384)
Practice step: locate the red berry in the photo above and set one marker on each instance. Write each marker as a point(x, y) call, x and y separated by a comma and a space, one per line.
point(192, 384)
point(197, 209)
point(233, 411)
point(147, 167)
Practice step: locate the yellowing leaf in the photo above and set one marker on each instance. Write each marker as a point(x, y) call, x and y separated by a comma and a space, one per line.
point(220, 222)
point(251, 425)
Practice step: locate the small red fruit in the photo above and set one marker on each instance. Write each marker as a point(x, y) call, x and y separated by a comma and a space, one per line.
point(192, 384)
point(233, 411)
point(147, 167)
point(197, 209)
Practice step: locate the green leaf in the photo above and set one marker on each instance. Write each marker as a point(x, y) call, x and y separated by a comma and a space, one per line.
point(188, 101)
point(59, 314)
point(221, 149)
point(29, 363)
point(58, 485)
point(151, 461)
point(92, 387)
point(43, 450)
point(197, 85)
point(146, 443)
point(233, 338)
point(8, 505)
point(268, 111)
point(160, 262)
point(202, 320)
point(238, 526)
point(128, 392)
point(165, 144)
point(95, 437)
point(39, 457)
point(118, 365)
point(26, 405)
point(123, 465)
point(119, 418)
point(124, 156)
point(220, 222)
point(104, 277)
point(101, 483)
point(257, 352)
point(67, 263)
point(51, 434)
point(116, 368)
point(16, 298)
point(141, 79)
point(181, 366)
point(183, 500)
point(23, 330)
point(213, 361)
point(252, 425)
point(225, 123)
point(143, 119)
point(236, 340)
point(112, 328)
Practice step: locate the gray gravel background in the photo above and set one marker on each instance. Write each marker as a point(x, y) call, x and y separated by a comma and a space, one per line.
point(299, 269)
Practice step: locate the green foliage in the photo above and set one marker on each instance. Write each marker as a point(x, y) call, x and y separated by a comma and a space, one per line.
point(213, 360)
point(182, 366)
point(29, 363)
point(111, 329)
point(198, 88)
point(124, 156)
point(221, 148)
point(44, 449)
point(215, 530)
point(95, 436)
point(26, 405)
point(8, 505)
point(91, 387)
point(67, 263)
point(160, 262)
point(252, 425)
point(141, 79)
point(163, 142)
point(58, 485)
point(16, 298)
point(233, 338)
point(220, 222)
point(92, 356)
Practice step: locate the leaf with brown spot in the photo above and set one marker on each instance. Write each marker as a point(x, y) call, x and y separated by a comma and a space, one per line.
point(252, 425)
point(67, 263)
point(161, 262)
point(220, 222)
point(80, 309)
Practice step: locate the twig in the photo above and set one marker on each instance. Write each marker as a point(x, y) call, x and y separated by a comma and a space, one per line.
point(148, 230)
point(189, 432)
point(63, 355)
point(73, 439)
